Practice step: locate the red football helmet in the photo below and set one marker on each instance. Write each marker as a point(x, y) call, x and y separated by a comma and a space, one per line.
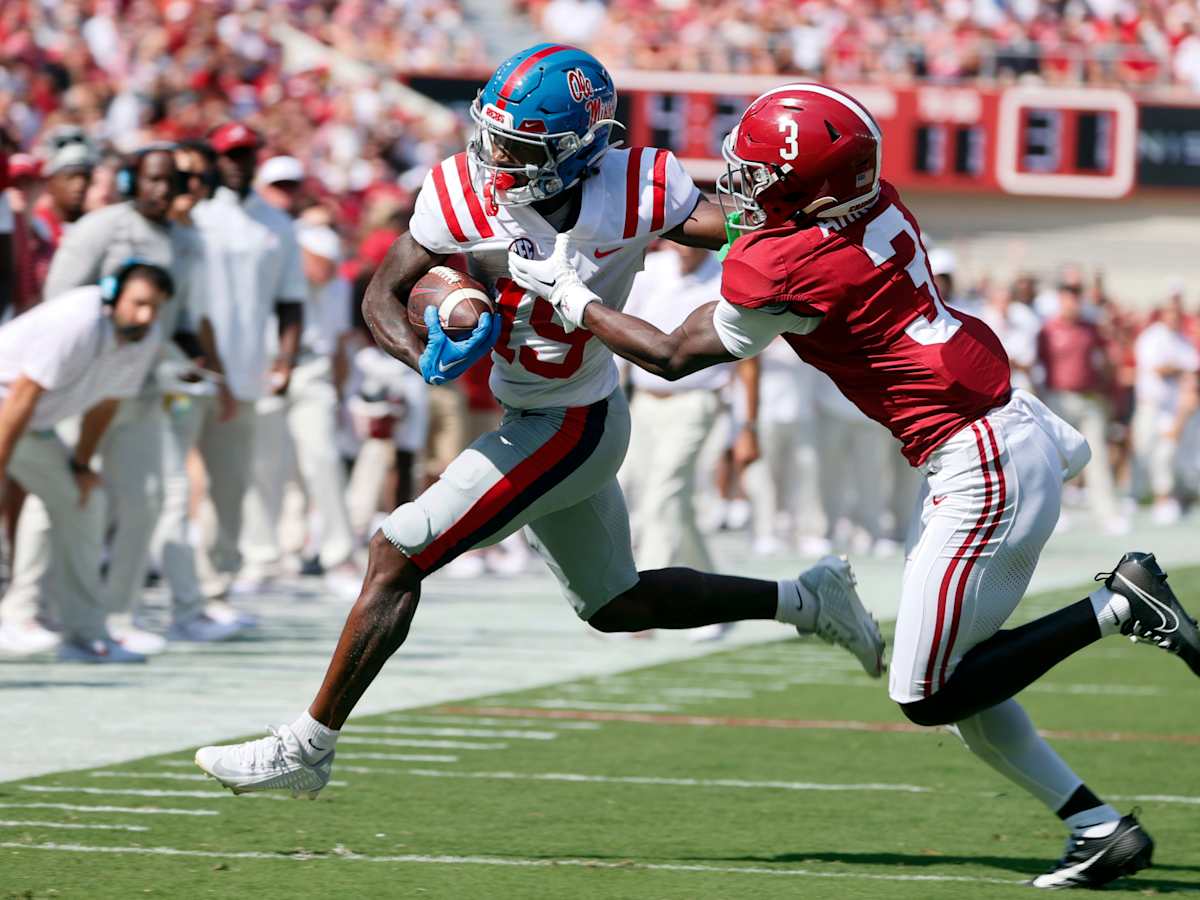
point(801, 150)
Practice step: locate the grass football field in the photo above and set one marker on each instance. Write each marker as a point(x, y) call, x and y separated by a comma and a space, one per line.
point(775, 770)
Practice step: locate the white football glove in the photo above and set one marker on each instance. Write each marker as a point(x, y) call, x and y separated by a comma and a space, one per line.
point(556, 280)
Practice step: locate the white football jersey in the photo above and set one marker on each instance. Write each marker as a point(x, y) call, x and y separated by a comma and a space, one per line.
point(636, 195)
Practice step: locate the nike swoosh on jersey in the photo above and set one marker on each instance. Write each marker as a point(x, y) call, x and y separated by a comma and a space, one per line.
point(600, 254)
point(936, 500)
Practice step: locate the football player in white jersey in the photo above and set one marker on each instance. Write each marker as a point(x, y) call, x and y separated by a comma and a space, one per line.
point(541, 164)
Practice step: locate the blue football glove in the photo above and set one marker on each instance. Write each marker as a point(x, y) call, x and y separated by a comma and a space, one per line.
point(444, 359)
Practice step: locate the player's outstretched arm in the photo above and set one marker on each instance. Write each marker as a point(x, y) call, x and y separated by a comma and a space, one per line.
point(704, 227)
point(692, 346)
point(385, 297)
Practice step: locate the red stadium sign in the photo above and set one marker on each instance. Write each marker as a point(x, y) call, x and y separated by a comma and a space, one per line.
point(1040, 141)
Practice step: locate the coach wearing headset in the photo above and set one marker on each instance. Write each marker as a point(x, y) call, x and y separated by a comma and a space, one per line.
point(132, 452)
point(77, 354)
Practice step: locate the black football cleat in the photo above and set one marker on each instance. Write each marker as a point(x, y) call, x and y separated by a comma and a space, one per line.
point(1156, 615)
point(1094, 862)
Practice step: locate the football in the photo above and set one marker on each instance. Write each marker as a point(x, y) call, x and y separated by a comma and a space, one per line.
point(459, 299)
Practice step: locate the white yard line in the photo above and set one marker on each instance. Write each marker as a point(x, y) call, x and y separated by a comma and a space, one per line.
point(397, 757)
point(71, 826)
point(511, 861)
point(567, 703)
point(507, 723)
point(430, 731)
point(670, 782)
point(135, 810)
point(140, 792)
point(175, 776)
point(1156, 798)
point(431, 745)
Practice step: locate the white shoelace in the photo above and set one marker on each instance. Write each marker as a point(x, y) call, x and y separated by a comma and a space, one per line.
point(265, 754)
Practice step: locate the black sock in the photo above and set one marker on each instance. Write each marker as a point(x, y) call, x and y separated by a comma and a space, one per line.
point(1082, 800)
point(1009, 661)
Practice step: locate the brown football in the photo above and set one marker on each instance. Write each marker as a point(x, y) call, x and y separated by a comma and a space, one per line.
point(459, 299)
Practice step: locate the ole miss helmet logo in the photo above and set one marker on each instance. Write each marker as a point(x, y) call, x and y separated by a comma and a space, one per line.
point(579, 85)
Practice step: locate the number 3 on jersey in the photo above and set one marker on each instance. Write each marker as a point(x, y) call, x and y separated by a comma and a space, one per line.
point(880, 242)
point(541, 321)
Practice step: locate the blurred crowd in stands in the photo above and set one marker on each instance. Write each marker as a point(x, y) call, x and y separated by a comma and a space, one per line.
point(1101, 42)
point(334, 168)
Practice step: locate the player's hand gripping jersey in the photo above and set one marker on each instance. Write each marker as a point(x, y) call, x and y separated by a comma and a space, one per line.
point(635, 196)
point(862, 307)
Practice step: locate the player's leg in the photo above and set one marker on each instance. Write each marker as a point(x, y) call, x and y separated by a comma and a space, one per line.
point(967, 573)
point(586, 547)
point(484, 495)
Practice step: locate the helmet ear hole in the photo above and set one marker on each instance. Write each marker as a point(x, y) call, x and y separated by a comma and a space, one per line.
point(834, 134)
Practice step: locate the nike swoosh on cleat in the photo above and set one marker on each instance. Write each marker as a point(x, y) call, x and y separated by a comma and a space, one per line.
point(600, 254)
point(1159, 607)
point(315, 747)
point(1064, 876)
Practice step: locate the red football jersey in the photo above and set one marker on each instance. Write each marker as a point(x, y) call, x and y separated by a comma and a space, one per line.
point(885, 337)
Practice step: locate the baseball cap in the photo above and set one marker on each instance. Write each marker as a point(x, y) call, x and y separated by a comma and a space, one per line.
point(24, 166)
point(320, 240)
point(69, 156)
point(280, 168)
point(234, 136)
point(942, 261)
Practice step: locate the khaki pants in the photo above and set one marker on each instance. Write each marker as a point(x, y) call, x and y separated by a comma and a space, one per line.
point(132, 463)
point(172, 544)
point(659, 476)
point(447, 433)
point(1089, 414)
point(40, 462)
point(847, 451)
point(1153, 454)
point(297, 433)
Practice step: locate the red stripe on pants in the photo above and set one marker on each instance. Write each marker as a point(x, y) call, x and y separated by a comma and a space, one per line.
point(979, 548)
point(944, 590)
point(511, 483)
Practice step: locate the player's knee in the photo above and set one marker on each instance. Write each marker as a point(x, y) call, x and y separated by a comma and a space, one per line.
point(928, 712)
point(388, 567)
point(620, 614)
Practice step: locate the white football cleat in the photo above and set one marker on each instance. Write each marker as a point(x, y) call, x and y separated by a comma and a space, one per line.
point(273, 763)
point(841, 617)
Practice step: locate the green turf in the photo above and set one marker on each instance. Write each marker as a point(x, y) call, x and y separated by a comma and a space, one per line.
point(968, 832)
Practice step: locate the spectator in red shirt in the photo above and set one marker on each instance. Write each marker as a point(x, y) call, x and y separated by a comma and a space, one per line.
point(1073, 355)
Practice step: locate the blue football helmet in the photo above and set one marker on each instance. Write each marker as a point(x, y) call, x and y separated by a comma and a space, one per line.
point(543, 120)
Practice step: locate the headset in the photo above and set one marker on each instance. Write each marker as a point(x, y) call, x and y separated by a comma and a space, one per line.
point(111, 285)
point(127, 175)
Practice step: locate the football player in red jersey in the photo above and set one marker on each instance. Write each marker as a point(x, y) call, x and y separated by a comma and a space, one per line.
point(834, 263)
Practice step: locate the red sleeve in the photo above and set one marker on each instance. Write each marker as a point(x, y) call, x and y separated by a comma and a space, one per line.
point(755, 275)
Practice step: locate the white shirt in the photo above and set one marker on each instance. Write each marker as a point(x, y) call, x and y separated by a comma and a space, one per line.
point(1017, 330)
point(252, 261)
point(665, 296)
point(536, 362)
point(327, 316)
point(1156, 347)
point(69, 347)
point(785, 387)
